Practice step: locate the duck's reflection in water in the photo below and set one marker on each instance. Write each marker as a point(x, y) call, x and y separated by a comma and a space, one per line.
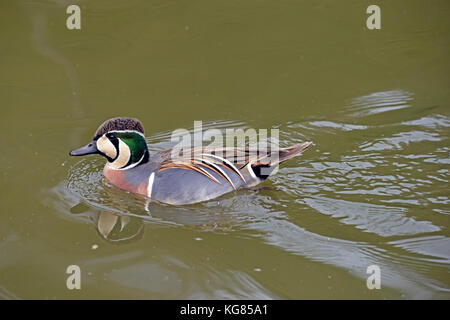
point(123, 219)
point(112, 226)
point(118, 228)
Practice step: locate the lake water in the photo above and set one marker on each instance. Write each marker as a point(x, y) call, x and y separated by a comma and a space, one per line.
point(372, 190)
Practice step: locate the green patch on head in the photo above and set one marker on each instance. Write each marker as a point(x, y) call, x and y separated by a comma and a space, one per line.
point(135, 142)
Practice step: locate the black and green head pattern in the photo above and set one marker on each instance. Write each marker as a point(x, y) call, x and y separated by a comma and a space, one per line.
point(121, 141)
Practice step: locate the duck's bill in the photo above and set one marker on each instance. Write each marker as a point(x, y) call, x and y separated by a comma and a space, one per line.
point(90, 148)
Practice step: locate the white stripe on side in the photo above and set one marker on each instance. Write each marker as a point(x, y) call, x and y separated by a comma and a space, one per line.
point(150, 184)
point(149, 191)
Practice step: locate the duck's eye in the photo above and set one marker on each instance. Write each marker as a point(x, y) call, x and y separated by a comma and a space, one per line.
point(110, 135)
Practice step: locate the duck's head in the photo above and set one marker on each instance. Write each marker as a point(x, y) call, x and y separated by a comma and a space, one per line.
point(121, 141)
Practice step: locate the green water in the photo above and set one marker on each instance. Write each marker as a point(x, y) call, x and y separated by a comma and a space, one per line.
point(372, 190)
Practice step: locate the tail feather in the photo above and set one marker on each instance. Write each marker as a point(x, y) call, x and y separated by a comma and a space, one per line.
point(292, 151)
point(264, 166)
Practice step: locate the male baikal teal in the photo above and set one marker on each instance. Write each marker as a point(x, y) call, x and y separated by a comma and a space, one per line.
point(195, 175)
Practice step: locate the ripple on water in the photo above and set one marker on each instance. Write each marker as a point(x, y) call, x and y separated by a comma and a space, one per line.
point(382, 220)
point(340, 126)
point(379, 102)
point(434, 248)
point(398, 140)
point(430, 122)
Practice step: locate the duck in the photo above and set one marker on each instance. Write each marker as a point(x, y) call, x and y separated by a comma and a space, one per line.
point(179, 177)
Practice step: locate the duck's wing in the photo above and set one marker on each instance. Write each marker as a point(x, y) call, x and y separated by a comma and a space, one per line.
point(237, 167)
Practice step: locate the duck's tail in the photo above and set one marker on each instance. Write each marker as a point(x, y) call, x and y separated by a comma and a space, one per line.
point(292, 151)
point(264, 167)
